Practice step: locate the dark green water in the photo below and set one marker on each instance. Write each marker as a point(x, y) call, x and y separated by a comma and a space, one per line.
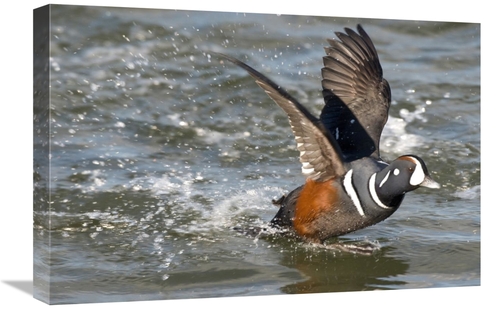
point(158, 149)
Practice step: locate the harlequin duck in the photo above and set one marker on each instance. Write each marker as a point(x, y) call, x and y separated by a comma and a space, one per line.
point(348, 186)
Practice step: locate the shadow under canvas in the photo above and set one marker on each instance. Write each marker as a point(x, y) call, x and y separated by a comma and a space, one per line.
point(24, 286)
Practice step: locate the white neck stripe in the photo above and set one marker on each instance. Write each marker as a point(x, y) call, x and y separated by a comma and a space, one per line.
point(385, 178)
point(373, 192)
point(349, 187)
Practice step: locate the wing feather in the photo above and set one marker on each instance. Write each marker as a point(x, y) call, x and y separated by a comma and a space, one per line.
point(357, 97)
point(320, 154)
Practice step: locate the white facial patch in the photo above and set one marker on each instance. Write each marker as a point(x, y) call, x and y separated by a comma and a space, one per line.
point(418, 175)
point(396, 172)
point(349, 188)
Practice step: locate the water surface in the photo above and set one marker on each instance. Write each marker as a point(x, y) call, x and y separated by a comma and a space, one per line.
point(159, 149)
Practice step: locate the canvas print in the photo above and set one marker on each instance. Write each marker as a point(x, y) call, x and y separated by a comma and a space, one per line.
point(190, 154)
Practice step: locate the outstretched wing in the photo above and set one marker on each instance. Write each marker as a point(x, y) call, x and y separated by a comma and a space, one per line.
point(320, 155)
point(357, 97)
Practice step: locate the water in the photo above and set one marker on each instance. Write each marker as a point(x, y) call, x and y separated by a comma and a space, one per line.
point(159, 149)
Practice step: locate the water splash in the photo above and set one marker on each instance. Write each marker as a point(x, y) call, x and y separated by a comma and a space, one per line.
point(396, 139)
point(469, 193)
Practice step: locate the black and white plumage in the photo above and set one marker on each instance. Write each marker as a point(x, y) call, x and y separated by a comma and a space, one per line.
point(348, 186)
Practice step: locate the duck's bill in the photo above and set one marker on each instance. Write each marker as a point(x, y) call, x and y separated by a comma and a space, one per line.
point(430, 183)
